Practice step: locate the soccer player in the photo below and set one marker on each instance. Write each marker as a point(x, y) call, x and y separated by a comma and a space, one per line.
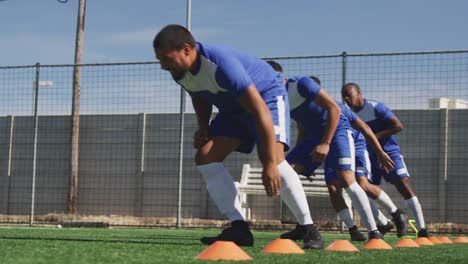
point(362, 132)
point(363, 172)
point(325, 135)
point(253, 106)
point(385, 124)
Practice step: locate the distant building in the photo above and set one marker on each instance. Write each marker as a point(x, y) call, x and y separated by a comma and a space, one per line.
point(443, 102)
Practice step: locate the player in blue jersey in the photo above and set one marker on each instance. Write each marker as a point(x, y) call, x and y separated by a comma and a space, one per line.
point(253, 106)
point(325, 135)
point(385, 125)
point(363, 171)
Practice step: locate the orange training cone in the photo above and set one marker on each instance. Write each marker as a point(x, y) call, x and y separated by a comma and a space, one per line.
point(406, 243)
point(434, 240)
point(445, 240)
point(423, 241)
point(283, 246)
point(224, 250)
point(460, 239)
point(377, 244)
point(342, 245)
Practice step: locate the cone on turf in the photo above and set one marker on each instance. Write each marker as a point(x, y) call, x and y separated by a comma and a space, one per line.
point(445, 240)
point(423, 241)
point(460, 239)
point(406, 243)
point(283, 246)
point(224, 250)
point(434, 240)
point(342, 245)
point(377, 244)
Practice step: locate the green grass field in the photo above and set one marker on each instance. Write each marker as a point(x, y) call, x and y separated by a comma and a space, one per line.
point(53, 245)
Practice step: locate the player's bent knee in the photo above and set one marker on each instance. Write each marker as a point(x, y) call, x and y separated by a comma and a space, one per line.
point(203, 158)
point(347, 177)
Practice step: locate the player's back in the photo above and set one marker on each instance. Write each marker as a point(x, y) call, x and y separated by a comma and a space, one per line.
point(312, 117)
point(224, 73)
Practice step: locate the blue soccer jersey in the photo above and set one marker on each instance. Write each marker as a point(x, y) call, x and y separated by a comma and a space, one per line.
point(376, 115)
point(310, 116)
point(363, 163)
point(313, 119)
point(223, 74)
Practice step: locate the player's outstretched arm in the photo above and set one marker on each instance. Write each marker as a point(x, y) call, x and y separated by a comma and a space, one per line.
point(203, 111)
point(384, 160)
point(252, 102)
point(326, 102)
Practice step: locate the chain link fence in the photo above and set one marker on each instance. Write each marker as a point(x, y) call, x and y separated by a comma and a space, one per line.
point(134, 169)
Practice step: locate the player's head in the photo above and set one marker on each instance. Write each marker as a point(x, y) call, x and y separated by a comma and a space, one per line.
point(316, 79)
point(351, 94)
point(175, 49)
point(276, 66)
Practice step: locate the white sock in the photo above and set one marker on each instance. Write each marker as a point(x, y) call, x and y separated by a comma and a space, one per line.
point(292, 193)
point(379, 217)
point(346, 217)
point(414, 207)
point(222, 190)
point(387, 203)
point(361, 202)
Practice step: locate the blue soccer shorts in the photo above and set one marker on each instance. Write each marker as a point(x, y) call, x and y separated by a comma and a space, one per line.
point(340, 157)
point(399, 172)
point(242, 125)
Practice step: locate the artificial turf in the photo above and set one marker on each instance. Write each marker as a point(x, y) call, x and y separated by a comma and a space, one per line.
point(54, 245)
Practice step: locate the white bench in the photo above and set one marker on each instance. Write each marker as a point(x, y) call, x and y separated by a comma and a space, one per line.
point(251, 183)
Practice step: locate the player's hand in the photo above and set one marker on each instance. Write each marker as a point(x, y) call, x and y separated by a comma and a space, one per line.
point(320, 152)
point(385, 161)
point(271, 180)
point(200, 138)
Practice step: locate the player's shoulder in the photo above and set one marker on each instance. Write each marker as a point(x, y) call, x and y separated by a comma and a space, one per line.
point(217, 53)
point(374, 103)
point(306, 83)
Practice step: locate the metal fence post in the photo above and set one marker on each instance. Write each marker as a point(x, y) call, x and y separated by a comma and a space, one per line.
point(182, 124)
point(140, 171)
point(443, 163)
point(343, 82)
point(181, 157)
point(343, 67)
point(36, 122)
point(10, 159)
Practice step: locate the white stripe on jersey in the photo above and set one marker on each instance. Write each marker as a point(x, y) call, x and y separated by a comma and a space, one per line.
point(295, 98)
point(367, 113)
point(204, 80)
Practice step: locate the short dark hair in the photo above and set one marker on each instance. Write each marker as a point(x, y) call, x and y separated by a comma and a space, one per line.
point(351, 84)
point(316, 79)
point(276, 66)
point(173, 37)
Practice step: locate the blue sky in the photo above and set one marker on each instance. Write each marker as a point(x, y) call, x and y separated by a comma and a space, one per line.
point(122, 31)
point(117, 30)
